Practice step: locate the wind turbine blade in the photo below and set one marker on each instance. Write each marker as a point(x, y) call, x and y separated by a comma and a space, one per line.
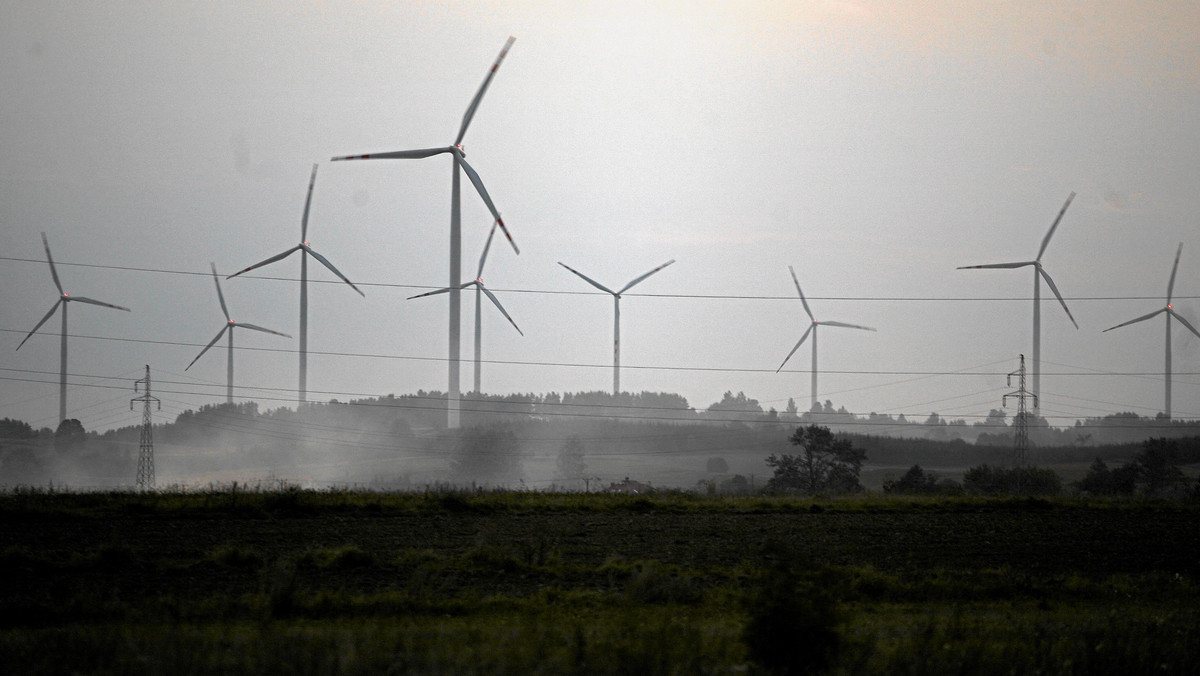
point(1135, 321)
point(434, 293)
point(1183, 321)
point(44, 320)
point(638, 280)
point(90, 301)
point(50, 260)
point(1171, 284)
point(397, 155)
point(798, 344)
point(487, 245)
point(466, 121)
point(475, 180)
point(1046, 276)
point(255, 327)
point(272, 259)
point(220, 296)
point(803, 300)
point(307, 202)
point(210, 344)
point(1005, 266)
point(324, 261)
point(587, 279)
point(1054, 226)
point(847, 326)
point(500, 307)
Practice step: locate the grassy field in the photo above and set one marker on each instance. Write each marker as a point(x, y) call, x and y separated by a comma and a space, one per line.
point(307, 582)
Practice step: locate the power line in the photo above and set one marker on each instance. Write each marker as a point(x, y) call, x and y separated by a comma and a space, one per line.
point(702, 369)
point(394, 285)
point(507, 408)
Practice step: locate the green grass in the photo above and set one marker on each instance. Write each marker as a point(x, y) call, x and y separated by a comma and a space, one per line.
point(316, 582)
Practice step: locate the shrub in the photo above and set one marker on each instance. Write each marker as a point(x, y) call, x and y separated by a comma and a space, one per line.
point(988, 480)
point(793, 621)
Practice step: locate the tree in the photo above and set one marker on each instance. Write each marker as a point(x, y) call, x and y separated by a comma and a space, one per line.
point(1101, 480)
point(996, 419)
point(571, 466)
point(988, 480)
point(69, 435)
point(824, 464)
point(1157, 465)
point(738, 407)
point(487, 453)
point(915, 481)
point(791, 412)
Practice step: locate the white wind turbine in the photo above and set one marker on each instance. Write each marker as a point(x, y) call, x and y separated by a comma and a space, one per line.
point(616, 315)
point(480, 290)
point(1169, 311)
point(812, 328)
point(230, 325)
point(1039, 273)
point(305, 251)
point(459, 156)
point(64, 299)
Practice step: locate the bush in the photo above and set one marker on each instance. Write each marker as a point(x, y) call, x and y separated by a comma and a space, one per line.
point(793, 620)
point(487, 453)
point(915, 481)
point(988, 480)
point(1101, 480)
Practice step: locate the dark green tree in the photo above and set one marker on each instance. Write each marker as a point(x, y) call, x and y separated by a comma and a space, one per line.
point(571, 466)
point(1101, 480)
point(915, 481)
point(487, 453)
point(1158, 465)
point(988, 480)
point(824, 464)
point(69, 435)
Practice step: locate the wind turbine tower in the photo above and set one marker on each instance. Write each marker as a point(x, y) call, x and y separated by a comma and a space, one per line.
point(1039, 273)
point(305, 251)
point(230, 325)
point(812, 328)
point(616, 315)
point(460, 162)
point(1169, 311)
point(480, 290)
point(64, 299)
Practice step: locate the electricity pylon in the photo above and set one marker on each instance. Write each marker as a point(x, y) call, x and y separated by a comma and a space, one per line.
point(145, 466)
point(1020, 423)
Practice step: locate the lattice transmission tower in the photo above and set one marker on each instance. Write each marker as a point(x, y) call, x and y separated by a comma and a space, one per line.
point(145, 466)
point(1020, 422)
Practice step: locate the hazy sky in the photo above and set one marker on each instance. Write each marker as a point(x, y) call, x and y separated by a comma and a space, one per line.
point(875, 146)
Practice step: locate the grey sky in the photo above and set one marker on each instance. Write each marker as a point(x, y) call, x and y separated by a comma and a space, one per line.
point(873, 147)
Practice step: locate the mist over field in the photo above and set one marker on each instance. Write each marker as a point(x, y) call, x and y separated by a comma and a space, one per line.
point(587, 441)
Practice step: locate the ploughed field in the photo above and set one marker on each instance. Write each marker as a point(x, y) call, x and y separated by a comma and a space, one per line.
point(348, 582)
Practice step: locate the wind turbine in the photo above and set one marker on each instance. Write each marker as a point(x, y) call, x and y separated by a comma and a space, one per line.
point(1039, 273)
point(616, 315)
point(480, 290)
point(1169, 311)
point(812, 328)
point(459, 156)
point(64, 299)
point(305, 251)
point(230, 325)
